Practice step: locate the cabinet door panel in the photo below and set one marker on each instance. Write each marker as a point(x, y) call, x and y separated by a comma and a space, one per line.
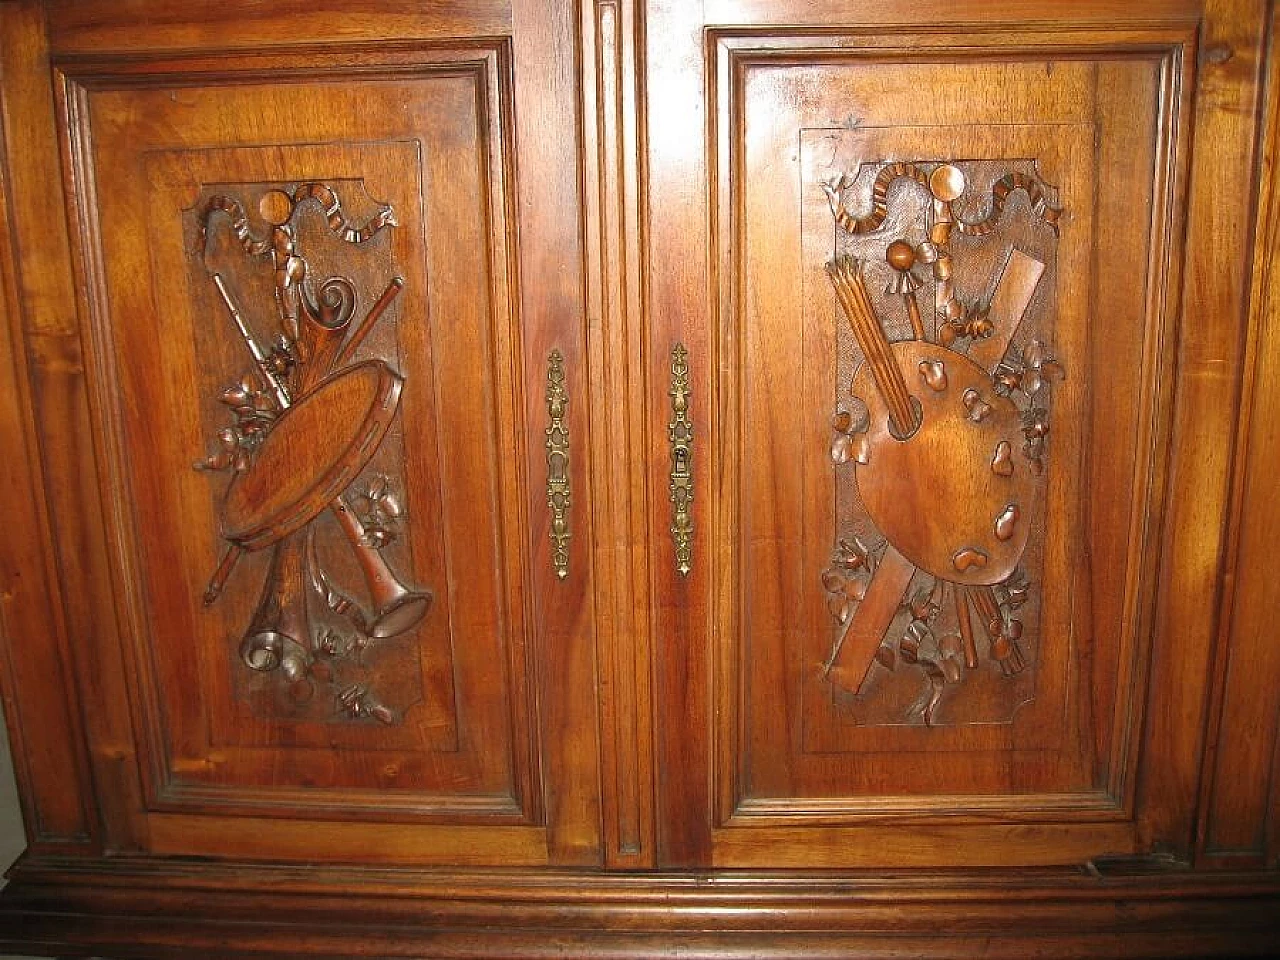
point(937, 367)
point(300, 285)
point(917, 716)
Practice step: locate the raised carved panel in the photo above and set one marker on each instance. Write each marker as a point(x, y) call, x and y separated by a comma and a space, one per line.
point(310, 411)
point(940, 436)
point(1000, 274)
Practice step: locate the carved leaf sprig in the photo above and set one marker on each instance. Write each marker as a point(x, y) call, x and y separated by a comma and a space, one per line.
point(341, 645)
point(1024, 378)
point(846, 579)
point(1035, 427)
point(358, 702)
point(1012, 594)
point(380, 511)
point(255, 411)
point(1027, 375)
point(1041, 368)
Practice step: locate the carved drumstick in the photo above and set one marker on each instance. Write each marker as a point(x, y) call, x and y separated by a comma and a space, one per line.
point(371, 318)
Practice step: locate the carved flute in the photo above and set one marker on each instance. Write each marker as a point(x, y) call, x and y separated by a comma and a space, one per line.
point(234, 551)
point(259, 358)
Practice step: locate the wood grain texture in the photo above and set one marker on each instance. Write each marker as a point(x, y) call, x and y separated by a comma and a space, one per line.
point(1212, 297)
point(470, 733)
point(788, 737)
point(37, 688)
point(679, 311)
point(48, 355)
point(1238, 815)
point(945, 14)
point(551, 263)
point(611, 37)
point(370, 913)
point(89, 28)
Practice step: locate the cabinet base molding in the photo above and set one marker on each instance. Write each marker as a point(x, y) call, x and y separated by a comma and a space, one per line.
point(146, 907)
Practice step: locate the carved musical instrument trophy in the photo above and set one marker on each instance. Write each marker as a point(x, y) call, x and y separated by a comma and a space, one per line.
point(309, 418)
point(946, 429)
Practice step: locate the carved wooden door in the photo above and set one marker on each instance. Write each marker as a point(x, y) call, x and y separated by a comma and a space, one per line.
point(955, 294)
point(335, 396)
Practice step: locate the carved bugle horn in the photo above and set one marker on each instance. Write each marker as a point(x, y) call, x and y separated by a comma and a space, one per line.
point(396, 607)
point(279, 634)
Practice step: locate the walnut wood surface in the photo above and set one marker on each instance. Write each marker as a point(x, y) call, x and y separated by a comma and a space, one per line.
point(631, 761)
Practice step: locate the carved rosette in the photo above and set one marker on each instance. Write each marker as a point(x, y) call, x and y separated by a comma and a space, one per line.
point(940, 432)
point(307, 421)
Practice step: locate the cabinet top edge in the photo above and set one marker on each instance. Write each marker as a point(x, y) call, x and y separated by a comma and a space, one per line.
point(98, 27)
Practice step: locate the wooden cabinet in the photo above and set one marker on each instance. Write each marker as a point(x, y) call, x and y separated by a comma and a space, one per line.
point(499, 477)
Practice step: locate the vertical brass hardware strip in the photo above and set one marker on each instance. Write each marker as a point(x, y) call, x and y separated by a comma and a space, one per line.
point(558, 493)
point(680, 435)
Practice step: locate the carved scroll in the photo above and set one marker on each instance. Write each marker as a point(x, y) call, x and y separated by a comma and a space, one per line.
point(945, 432)
point(308, 420)
point(680, 437)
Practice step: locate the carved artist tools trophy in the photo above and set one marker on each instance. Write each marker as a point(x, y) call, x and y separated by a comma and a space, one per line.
point(958, 409)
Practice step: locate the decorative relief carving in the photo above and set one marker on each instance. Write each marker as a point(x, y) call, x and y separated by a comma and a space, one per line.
point(559, 496)
point(936, 522)
point(680, 436)
point(307, 420)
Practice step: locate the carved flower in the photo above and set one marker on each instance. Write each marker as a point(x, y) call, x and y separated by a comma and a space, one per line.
point(283, 357)
point(254, 412)
point(1029, 373)
point(850, 442)
point(1040, 368)
point(845, 580)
